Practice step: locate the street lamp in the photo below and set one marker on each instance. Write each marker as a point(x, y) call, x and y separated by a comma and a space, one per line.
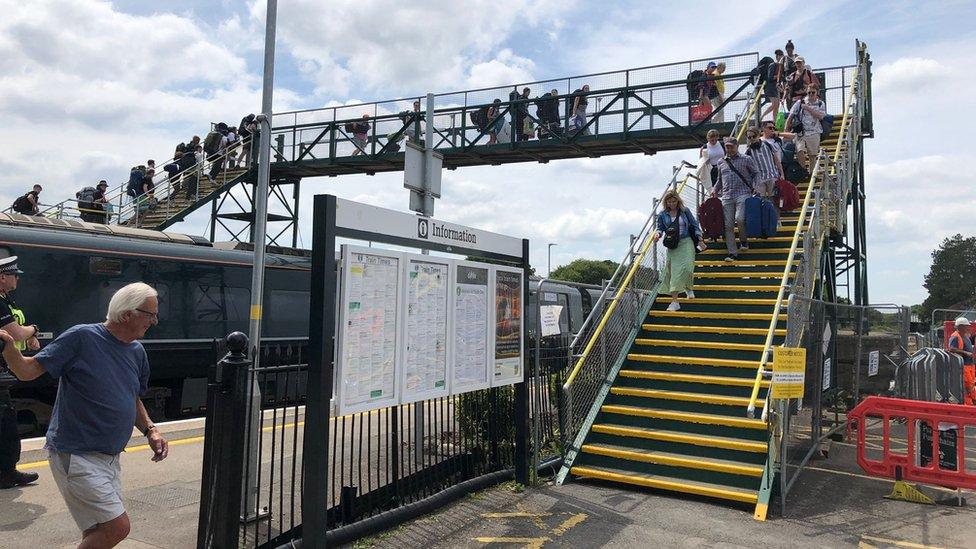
point(549, 258)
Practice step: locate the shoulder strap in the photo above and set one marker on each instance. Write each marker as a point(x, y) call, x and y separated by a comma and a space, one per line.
point(731, 165)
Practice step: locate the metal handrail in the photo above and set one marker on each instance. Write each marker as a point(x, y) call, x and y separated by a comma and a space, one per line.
point(821, 164)
point(622, 288)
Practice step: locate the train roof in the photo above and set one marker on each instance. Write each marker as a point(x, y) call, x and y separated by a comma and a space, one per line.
point(20, 230)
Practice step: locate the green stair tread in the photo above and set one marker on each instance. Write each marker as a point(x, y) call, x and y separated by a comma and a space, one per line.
point(664, 394)
point(651, 456)
point(710, 329)
point(690, 378)
point(668, 483)
point(708, 361)
point(730, 422)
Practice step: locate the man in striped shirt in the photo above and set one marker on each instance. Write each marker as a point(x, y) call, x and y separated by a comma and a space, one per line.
point(737, 177)
point(767, 160)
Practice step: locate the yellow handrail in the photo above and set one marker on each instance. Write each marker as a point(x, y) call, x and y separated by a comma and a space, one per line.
point(616, 299)
point(745, 121)
point(790, 258)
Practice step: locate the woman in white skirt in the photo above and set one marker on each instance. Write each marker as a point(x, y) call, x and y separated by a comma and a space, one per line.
point(682, 237)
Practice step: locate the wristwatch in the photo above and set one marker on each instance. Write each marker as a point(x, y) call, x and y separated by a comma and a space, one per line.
point(150, 427)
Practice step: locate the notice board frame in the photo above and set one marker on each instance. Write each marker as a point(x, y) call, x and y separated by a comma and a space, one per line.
point(334, 218)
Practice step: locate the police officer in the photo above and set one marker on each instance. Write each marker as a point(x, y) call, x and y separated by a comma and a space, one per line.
point(12, 320)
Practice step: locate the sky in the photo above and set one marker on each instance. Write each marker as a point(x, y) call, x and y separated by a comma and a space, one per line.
point(89, 88)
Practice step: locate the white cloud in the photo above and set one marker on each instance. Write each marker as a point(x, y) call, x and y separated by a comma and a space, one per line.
point(910, 75)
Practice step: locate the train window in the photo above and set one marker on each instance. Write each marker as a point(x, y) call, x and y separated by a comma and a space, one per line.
point(221, 303)
point(563, 299)
point(288, 305)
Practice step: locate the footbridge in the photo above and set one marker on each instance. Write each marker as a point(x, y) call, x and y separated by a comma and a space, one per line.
point(636, 111)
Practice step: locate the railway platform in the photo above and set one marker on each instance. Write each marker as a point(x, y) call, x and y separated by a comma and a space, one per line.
point(836, 505)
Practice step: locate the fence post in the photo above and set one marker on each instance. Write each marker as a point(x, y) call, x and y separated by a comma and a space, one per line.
point(223, 450)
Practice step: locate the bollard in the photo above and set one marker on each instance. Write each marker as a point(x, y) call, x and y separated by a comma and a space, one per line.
point(223, 450)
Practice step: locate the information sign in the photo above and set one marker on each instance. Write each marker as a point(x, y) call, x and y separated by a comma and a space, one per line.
point(789, 368)
point(425, 365)
point(370, 290)
point(826, 375)
point(470, 324)
point(508, 326)
point(549, 318)
point(874, 363)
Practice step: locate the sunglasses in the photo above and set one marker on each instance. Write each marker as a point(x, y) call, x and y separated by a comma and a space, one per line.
point(811, 93)
point(154, 316)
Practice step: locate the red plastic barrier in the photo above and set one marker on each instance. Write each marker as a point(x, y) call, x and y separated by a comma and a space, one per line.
point(923, 420)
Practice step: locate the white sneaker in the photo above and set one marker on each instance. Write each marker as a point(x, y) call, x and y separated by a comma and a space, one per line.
point(690, 294)
point(674, 306)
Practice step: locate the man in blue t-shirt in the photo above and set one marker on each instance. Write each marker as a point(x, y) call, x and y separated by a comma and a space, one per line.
point(101, 370)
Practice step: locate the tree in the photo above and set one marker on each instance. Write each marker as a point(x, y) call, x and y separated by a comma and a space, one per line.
point(952, 277)
point(585, 271)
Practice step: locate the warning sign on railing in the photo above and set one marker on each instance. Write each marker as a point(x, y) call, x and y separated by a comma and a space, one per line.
point(789, 366)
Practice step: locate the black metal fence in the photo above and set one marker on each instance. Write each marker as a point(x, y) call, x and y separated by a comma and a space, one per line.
point(385, 466)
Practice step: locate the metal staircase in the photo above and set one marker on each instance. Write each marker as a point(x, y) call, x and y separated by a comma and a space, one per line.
point(667, 399)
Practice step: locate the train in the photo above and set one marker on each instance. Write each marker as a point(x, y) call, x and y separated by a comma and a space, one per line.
point(72, 269)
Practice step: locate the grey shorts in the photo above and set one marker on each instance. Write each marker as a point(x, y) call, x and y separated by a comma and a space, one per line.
point(765, 187)
point(91, 485)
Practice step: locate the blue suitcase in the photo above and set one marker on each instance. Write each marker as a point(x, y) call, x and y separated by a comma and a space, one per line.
point(761, 218)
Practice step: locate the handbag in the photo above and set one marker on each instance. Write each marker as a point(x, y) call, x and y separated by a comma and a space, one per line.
point(700, 112)
point(672, 234)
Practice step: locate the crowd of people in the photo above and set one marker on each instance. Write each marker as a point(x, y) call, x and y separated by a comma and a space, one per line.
point(773, 159)
point(221, 147)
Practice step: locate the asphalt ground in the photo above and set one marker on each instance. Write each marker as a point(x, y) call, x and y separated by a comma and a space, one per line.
point(832, 504)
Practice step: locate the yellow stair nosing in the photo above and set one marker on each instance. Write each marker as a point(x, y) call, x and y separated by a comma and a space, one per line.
point(679, 437)
point(683, 396)
point(687, 417)
point(742, 274)
point(693, 378)
point(753, 301)
point(711, 329)
point(705, 361)
point(714, 315)
point(740, 263)
point(699, 344)
point(666, 483)
point(674, 460)
point(736, 288)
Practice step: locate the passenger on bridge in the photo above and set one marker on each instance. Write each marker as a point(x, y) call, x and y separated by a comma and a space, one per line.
point(497, 127)
point(772, 86)
point(800, 81)
point(961, 344)
point(768, 162)
point(715, 152)
point(547, 111)
point(411, 122)
point(804, 119)
point(679, 268)
point(102, 371)
point(709, 91)
point(735, 185)
point(29, 203)
point(522, 124)
point(100, 202)
point(12, 320)
point(360, 130)
point(720, 88)
point(789, 62)
point(578, 113)
point(134, 187)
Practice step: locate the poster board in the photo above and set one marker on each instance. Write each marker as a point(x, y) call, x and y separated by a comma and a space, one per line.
point(507, 322)
point(369, 318)
point(470, 322)
point(424, 371)
point(789, 371)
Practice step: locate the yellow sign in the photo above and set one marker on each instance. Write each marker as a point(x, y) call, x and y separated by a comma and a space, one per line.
point(789, 365)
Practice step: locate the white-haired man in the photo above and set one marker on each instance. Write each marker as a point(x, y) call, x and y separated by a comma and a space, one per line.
point(101, 370)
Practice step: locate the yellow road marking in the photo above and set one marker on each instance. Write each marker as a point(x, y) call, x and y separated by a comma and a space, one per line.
point(528, 543)
point(144, 447)
point(896, 543)
point(569, 523)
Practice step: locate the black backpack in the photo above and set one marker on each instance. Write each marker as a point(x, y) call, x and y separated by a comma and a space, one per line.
point(22, 205)
point(694, 84)
point(762, 68)
point(212, 142)
point(86, 197)
point(480, 118)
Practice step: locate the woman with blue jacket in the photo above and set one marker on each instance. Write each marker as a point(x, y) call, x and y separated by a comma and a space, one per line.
point(682, 236)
